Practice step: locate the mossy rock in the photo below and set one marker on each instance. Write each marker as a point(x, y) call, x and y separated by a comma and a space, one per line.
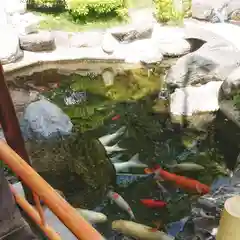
point(78, 166)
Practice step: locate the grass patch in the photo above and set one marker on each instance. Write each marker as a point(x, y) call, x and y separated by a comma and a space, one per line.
point(63, 21)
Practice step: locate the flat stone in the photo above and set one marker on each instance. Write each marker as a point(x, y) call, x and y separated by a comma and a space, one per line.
point(175, 48)
point(139, 51)
point(189, 100)
point(14, 6)
point(166, 33)
point(109, 43)
point(25, 23)
point(86, 39)
point(36, 42)
point(9, 45)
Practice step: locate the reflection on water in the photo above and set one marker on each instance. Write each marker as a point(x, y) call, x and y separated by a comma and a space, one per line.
point(132, 101)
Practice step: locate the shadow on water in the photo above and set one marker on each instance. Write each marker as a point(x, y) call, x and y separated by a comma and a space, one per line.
point(149, 131)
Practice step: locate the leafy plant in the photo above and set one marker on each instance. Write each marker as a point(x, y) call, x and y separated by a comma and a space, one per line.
point(80, 9)
point(165, 11)
point(46, 3)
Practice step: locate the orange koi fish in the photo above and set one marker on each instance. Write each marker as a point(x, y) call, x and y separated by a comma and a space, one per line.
point(180, 181)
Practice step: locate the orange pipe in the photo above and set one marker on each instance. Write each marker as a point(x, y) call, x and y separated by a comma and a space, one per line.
point(63, 210)
point(33, 214)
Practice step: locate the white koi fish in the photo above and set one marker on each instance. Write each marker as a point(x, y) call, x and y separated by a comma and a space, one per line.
point(133, 162)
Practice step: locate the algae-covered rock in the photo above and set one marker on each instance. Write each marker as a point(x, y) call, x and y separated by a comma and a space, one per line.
point(77, 165)
point(72, 162)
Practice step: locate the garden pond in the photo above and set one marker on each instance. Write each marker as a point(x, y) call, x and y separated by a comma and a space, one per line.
point(97, 109)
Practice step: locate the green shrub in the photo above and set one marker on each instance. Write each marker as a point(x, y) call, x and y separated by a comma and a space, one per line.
point(42, 5)
point(81, 9)
point(165, 12)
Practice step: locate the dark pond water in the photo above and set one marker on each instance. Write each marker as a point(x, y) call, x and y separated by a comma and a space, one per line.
point(132, 101)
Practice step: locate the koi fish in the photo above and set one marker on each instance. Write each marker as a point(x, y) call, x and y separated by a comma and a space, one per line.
point(181, 181)
point(139, 231)
point(92, 216)
point(116, 117)
point(115, 197)
point(114, 148)
point(186, 166)
point(150, 203)
point(106, 139)
point(133, 162)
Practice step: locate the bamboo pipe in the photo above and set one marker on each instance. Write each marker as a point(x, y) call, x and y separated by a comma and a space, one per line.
point(63, 210)
point(33, 214)
point(229, 228)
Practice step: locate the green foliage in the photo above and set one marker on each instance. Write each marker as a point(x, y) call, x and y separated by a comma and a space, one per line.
point(165, 12)
point(236, 100)
point(80, 9)
point(42, 5)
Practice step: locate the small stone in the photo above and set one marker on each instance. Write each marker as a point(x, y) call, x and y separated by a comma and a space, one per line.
point(108, 77)
point(109, 43)
point(37, 42)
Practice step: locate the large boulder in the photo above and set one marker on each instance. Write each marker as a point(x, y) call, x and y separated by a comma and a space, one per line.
point(210, 62)
point(216, 10)
point(70, 161)
point(44, 120)
point(189, 100)
point(9, 45)
point(37, 42)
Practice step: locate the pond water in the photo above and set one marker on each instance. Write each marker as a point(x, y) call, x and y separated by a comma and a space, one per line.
point(132, 101)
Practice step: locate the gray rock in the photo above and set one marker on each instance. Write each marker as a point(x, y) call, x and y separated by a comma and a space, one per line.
point(9, 45)
point(14, 6)
point(86, 39)
point(36, 42)
point(144, 51)
point(231, 85)
point(210, 62)
point(216, 10)
point(189, 100)
point(170, 40)
point(109, 43)
point(44, 120)
point(25, 23)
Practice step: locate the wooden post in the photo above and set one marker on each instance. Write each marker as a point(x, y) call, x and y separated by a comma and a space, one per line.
point(229, 228)
point(11, 128)
point(61, 208)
